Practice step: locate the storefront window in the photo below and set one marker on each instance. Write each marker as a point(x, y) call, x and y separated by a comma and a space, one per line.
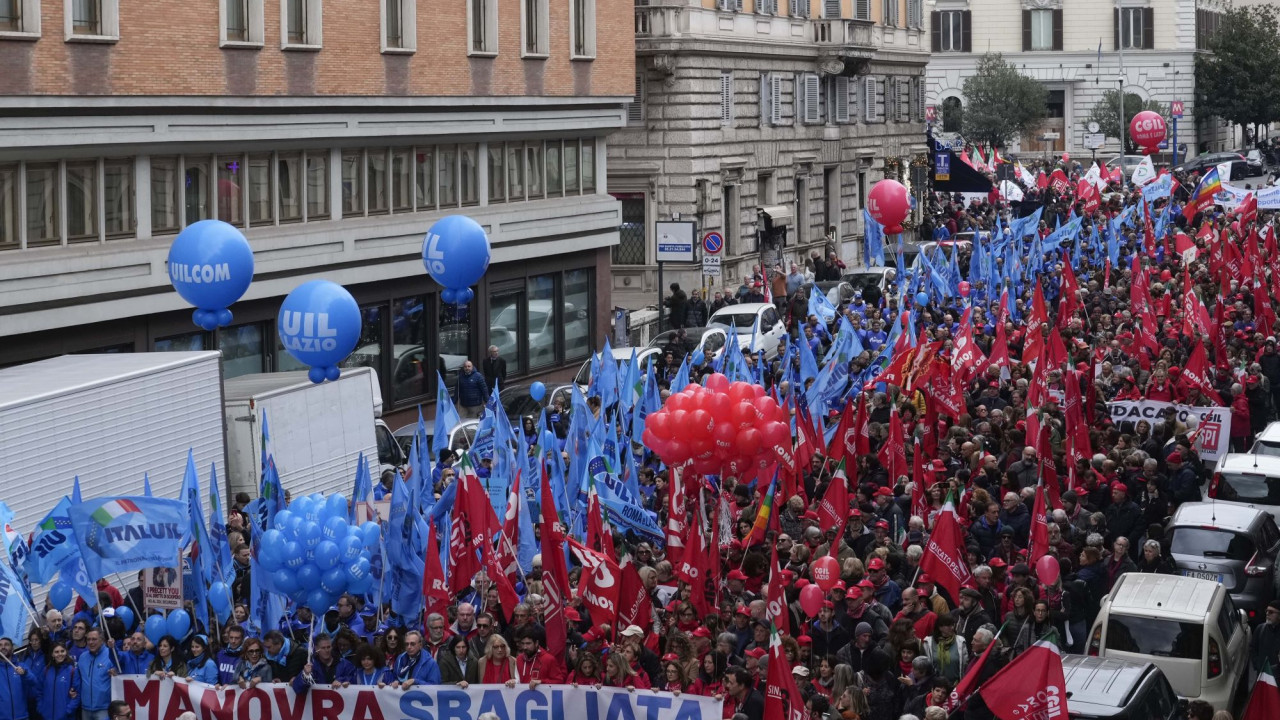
point(189, 342)
point(410, 374)
point(242, 350)
point(578, 311)
point(505, 328)
point(541, 345)
point(368, 352)
point(453, 341)
point(260, 190)
point(284, 362)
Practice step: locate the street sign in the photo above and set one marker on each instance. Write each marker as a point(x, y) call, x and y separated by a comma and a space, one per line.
point(942, 167)
point(1175, 108)
point(930, 113)
point(675, 241)
point(1093, 141)
point(711, 265)
point(712, 242)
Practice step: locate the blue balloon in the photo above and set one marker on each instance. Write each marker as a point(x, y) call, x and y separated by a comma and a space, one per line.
point(319, 325)
point(537, 391)
point(286, 581)
point(456, 255)
point(272, 541)
point(361, 586)
point(60, 595)
point(155, 628)
point(282, 519)
point(327, 554)
point(125, 613)
point(293, 556)
point(697, 357)
point(292, 527)
point(351, 548)
point(178, 624)
point(357, 570)
point(449, 296)
point(308, 577)
point(219, 597)
point(336, 506)
point(310, 534)
point(319, 600)
point(922, 298)
point(211, 266)
point(371, 534)
point(334, 581)
point(334, 528)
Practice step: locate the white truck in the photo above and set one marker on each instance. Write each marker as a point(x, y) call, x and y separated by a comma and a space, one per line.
point(316, 432)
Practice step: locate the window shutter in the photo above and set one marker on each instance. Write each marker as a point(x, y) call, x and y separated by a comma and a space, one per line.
point(922, 89)
point(812, 102)
point(799, 98)
point(881, 91)
point(1117, 26)
point(904, 100)
point(766, 107)
point(726, 98)
point(935, 30)
point(1026, 30)
point(635, 109)
point(966, 31)
point(1148, 28)
point(891, 103)
point(1057, 29)
point(862, 9)
point(737, 5)
point(831, 8)
point(869, 101)
point(854, 90)
point(842, 99)
point(775, 98)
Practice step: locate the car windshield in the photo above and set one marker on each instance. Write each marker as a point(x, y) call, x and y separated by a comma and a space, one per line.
point(1156, 637)
point(1248, 487)
point(862, 281)
point(712, 342)
point(742, 322)
point(1266, 447)
point(1206, 542)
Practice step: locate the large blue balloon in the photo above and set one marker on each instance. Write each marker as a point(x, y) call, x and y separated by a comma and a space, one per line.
point(178, 624)
point(327, 554)
point(286, 581)
point(537, 391)
point(210, 265)
point(319, 601)
point(371, 533)
point(60, 595)
point(309, 535)
point(308, 577)
point(334, 581)
point(155, 628)
point(125, 613)
point(293, 555)
point(219, 597)
point(456, 255)
point(351, 548)
point(334, 528)
point(319, 325)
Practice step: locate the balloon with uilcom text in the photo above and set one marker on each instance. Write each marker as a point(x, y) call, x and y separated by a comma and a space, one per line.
point(211, 267)
point(319, 325)
point(456, 255)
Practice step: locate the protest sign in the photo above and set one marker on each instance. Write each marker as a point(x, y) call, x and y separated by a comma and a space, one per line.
point(1212, 424)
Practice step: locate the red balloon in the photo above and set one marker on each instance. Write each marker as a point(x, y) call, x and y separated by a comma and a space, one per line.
point(740, 392)
point(776, 433)
point(964, 288)
point(699, 423)
point(757, 390)
point(811, 600)
point(743, 414)
point(825, 572)
point(717, 382)
point(719, 405)
point(1047, 569)
point(677, 452)
point(888, 203)
point(677, 423)
point(725, 435)
point(676, 403)
point(659, 424)
point(1147, 129)
point(748, 441)
point(707, 467)
point(767, 407)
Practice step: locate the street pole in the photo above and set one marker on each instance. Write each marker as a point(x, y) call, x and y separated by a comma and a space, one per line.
point(1120, 53)
point(659, 296)
point(1175, 143)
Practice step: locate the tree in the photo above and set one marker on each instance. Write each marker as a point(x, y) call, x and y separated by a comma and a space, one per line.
point(1002, 103)
point(1106, 112)
point(1237, 81)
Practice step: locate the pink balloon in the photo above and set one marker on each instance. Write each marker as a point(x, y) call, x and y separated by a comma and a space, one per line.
point(888, 203)
point(1047, 569)
point(825, 572)
point(1147, 130)
point(964, 288)
point(811, 600)
point(717, 382)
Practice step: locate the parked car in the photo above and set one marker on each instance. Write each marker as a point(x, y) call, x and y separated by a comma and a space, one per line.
point(644, 356)
point(710, 340)
point(1267, 442)
point(1114, 689)
point(1128, 164)
point(1250, 479)
point(1203, 163)
point(760, 320)
point(1188, 627)
point(863, 278)
point(836, 291)
point(459, 438)
point(1231, 544)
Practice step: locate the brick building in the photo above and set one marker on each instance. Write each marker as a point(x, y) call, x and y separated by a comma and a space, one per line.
point(334, 133)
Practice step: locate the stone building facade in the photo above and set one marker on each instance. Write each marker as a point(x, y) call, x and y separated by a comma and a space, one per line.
point(798, 109)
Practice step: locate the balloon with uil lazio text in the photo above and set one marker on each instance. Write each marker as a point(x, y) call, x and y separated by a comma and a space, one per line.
point(888, 203)
point(456, 255)
point(210, 266)
point(319, 325)
point(1147, 129)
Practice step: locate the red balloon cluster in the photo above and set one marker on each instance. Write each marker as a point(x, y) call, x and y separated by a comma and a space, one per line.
point(721, 428)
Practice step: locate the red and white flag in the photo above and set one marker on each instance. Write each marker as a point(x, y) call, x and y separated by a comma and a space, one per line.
point(1264, 701)
point(1031, 687)
point(775, 609)
point(600, 583)
point(782, 699)
point(1039, 528)
point(944, 555)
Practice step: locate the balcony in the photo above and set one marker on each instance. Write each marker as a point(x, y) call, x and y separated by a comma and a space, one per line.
point(665, 20)
point(843, 32)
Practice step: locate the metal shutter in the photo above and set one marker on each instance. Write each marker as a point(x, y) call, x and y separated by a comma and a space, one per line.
point(775, 99)
point(869, 99)
point(862, 9)
point(830, 8)
point(891, 103)
point(842, 99)
point(726, 98)
point(881, 107)
point(812, 99)
point(904, 100)
point(635, 108)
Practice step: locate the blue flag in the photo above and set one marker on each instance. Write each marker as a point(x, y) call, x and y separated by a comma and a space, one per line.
point(446, 418)
point(820, 305)
point(51, 543)
point(624, 509)
point(874, 234)
point(120, 534)
point(223, 569)
point(201, 546)
point(13, 607)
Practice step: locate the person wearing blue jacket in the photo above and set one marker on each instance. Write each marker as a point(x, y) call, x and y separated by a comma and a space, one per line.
point(325, 668)
point(413, 666)
point(229, 655)
point(15, 685)
point(34, 658)
point(58, 697)
point(136, 658)
point(369, 670)
point(201, 665)
point(94, 669)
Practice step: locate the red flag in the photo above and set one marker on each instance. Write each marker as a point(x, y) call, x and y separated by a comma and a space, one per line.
point(634, 605)
point(968, 684)
point(842, 443)
point(944, 555)
point(1036, 320)
point(775, 609)
point(1032, 686)
point(1264, 701)
point(677, 516)
point(862, 422)
point(1195, 374)
point(999, 352)
point(462, 554)
point(1039, 529)
point(943, 392)
point(693, 567)
point(834, 505)
point(919, 506)
point(966, 356)
point(893, 456)
point(555, 573)
point(1185, 247)
point(600, 583)
point(506, 593)
point(1148, 232)
point(435, 591)
point(1048, 471)
point(782, 699)
point(599, 538)
point(1042, 180)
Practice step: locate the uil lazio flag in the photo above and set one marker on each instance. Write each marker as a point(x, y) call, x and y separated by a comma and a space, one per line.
point(121, 534)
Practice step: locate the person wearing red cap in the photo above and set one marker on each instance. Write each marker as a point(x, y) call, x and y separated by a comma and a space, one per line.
point(886, 590)
point(933, 600)
point(1183, 483)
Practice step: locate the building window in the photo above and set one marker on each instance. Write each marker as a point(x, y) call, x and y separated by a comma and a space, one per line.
point(231, 189)
point(632, 234)
point(447, 165)
point(86, 17)
point(890, 16)
point(9, 213)
point(261, 190)
point(368, 352)
point(1208, 23)
point(424, 179)
point(555, 176)
point(164, 195)
point(402, 179)
point(411, 377)
point(533, 170)
point(588, 166)
point(290, 186)
point(42, 205)
point(453, 338)
point(799, 8)
point(377, 192)
point(571, 170)
point(82, 202)
point(399, 24)
point(541, 339)
point(1041, 29)
point(578, 308)
point(534, 28)
point(89, 20)
point(196, 183)
point(243, 352)
point(915, 14)
point(582, 18)
point(482, 26)
point(469, 174)
point(951, 31)
point(20, 17)
point(187, 342)
point(506, 328)
point(635, 108)
point(515, 171)
point(861, 9)
point(726, 98)
point(79, 201)
point(242, 23)
point(496, 156)
point(317, 184)
point(119, 213)
point(1135, 28)
point(352, 183)
point(952, 114)
point(301, 23)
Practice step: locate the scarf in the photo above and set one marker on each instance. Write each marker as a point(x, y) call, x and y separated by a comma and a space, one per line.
point(280, 658)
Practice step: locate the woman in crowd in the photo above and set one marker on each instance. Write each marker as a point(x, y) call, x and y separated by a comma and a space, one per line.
point(253, 667)
point(369, 669)
point(201, 665)
point(57, 688)
point(167, 663)
point(497, 667)
point(457, 665)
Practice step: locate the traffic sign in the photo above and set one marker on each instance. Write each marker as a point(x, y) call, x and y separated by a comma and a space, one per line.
point(942, 167)
point(930, 113)
point(1175, 108)
point(711, 265)
point(712, 242)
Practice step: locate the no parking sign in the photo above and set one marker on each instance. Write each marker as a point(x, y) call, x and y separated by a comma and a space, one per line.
point(712, 242)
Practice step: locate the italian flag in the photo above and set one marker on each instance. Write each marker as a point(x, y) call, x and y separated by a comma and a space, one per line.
point(112, 510)
point(1264, 701)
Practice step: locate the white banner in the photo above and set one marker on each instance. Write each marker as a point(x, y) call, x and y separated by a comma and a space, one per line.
point(166, 699)
point(1211, 425)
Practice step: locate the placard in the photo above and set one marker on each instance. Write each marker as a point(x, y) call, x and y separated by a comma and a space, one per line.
point(162, 588)
point(675, 241)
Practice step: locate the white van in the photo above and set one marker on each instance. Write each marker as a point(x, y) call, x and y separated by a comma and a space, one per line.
point(1187, 627)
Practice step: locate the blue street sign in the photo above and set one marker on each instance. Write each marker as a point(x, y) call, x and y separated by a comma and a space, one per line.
point(712, 242)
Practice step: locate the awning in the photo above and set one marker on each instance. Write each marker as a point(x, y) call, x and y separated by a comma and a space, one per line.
point(776, 216)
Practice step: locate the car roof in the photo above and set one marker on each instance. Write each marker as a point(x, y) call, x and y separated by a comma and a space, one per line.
point(1098, 686)
point(1173, 597)
point(742, 308)
point(1251, 463)
point(1270, 433)
point(1236, 518)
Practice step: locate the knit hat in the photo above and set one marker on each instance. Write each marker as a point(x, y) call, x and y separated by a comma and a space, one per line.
point(862, 627)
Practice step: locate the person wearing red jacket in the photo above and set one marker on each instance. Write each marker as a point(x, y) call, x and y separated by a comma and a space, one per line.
point(103, 587)
point(534, 664)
